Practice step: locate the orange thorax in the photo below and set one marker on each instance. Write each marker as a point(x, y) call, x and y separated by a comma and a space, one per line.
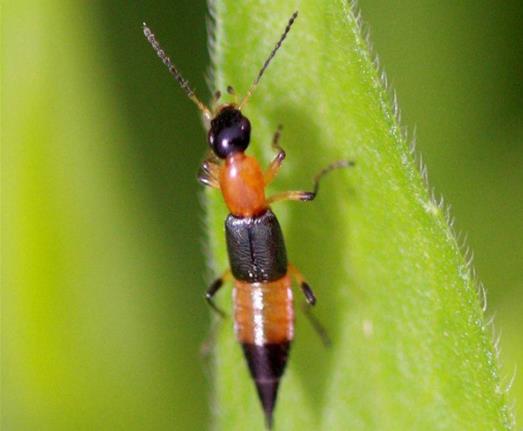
point(242, 185)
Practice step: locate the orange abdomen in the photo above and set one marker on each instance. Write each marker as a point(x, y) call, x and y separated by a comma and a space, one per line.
point(264, 312)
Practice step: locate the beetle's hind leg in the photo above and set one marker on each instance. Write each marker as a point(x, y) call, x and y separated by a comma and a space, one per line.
point(213, 288)
point(310, 301)
point(316, 324)
point(208, 343)
point(309, 196)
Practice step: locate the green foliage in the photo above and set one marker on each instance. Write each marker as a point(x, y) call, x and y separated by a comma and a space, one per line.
point(103, 274)
point(411, 349)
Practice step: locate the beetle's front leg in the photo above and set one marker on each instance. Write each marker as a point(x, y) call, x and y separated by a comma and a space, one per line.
point(208, 174)
point(275, 165)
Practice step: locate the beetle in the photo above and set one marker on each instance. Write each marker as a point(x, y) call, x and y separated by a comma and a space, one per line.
point(262, 275)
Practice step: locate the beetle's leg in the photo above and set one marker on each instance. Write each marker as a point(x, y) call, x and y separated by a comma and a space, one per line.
point(275, 165)
point(309, 196)
point(290, 196)
point(316, 324)
point(213, 288)
point(206, 346)
point(208, 173)
point(304, 286)
point(310, 299)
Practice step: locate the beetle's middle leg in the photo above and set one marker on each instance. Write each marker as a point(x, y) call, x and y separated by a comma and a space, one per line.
point(309, 196)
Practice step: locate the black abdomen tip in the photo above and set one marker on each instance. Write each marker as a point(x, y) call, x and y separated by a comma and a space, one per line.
point(267, 363)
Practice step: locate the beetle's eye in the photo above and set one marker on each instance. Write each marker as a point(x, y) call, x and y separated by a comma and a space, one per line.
point(230, 132)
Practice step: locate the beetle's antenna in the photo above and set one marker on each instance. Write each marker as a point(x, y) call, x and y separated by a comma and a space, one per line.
point(174, 71)
point(271, 56)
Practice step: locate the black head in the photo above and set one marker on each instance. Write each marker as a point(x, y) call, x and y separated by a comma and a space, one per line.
point(230, 132)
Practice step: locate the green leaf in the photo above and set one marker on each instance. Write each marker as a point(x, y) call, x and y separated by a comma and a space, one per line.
point(411, 348)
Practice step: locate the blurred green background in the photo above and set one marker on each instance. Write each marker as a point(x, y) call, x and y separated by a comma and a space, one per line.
point(103, 239)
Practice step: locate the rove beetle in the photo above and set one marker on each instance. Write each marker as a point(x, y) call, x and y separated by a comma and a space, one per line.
point(262, 295)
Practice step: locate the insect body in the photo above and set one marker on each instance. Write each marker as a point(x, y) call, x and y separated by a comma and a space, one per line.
point(263, 300)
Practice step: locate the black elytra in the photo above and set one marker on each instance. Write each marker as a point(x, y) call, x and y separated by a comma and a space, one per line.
point(230, 132)
point(256, 248)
